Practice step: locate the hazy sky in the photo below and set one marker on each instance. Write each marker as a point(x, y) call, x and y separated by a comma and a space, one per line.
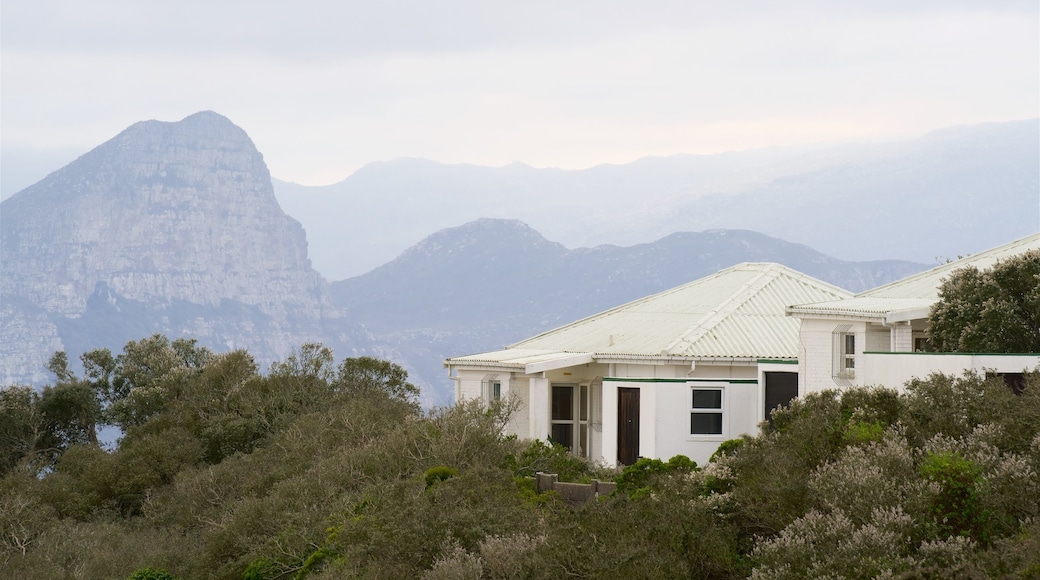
point(326, 87)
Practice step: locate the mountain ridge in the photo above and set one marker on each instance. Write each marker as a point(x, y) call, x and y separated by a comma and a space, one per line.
point(177, 228)
point(940, 176)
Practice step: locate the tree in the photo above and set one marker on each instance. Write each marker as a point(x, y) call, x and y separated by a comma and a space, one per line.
point(22, 431)
point(367, 375)
point(992, 310)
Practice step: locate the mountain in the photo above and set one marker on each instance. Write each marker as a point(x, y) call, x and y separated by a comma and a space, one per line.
point(963, 189)
point(175, 228)
point(492, 270)
point(167, 227)
point(491, 282)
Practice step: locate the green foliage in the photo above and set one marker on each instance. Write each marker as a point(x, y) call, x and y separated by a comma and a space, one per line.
point(548, 457)
point(956, 507)
point(321, 471)
point(438, 474)
point(956, 406)
point(151, 574)
point(727, 447)
point(367, 374)
point(639, 478)
point(22, 430)
point(58, 365)
point(72, 413)
point(862, 432)
point(993, 310)
point(259, 569)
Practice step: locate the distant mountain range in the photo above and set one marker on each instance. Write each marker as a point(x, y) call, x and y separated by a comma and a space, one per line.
point(175, 228)
point(951, 192)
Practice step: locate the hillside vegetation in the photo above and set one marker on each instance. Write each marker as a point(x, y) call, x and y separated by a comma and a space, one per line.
point(318, 470)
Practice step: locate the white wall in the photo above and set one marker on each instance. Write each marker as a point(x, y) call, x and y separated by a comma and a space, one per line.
point(468, 385)
point(893, 370)
point(664, 415)
point(520, 424)
point(815, 359)
point(879, 339)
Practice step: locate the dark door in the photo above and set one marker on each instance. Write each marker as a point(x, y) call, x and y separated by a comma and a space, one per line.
point(628, 426)
point(781, 388)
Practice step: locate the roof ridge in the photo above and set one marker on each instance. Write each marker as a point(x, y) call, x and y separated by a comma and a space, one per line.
point(712, 318)
point(949, 267)
point(605, 313)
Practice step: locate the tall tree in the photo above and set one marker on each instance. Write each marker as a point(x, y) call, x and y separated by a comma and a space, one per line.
point(992, 310)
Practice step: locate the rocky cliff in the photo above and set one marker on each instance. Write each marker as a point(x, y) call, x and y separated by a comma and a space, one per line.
point(177, 218)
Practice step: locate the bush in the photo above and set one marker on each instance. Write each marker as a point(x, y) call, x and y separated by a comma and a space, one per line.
point(151, 574)
point(438, 474)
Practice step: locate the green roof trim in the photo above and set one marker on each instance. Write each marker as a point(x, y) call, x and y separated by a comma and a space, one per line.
point(648, 380)
point(638, 380)
point(955, 353)
point(777, 361)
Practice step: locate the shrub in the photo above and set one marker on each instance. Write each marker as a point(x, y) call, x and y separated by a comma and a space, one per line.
point(956, 507)
point(727, 447)
point(638, 479)
point(151, 574)
point(438, 474)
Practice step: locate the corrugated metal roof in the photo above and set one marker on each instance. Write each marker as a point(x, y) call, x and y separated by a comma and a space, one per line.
point(735, 313)
point(511, 358)
point(915, 293)
point(926, 284)
point(861, 306)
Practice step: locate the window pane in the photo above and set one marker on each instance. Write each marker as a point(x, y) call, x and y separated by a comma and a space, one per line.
point(850, 344)
point(707, 399)
point(706, 423)
point(496, 391)
point(563, 434)
point(562, 403)
point(583, 404)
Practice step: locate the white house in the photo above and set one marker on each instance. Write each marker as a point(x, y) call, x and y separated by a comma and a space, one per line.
point(878, 337)
point(674, 373)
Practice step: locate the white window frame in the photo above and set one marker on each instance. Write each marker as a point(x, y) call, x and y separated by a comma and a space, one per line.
point(491, 389)
point(580, 422)
point(720, 410)
point(843, 367)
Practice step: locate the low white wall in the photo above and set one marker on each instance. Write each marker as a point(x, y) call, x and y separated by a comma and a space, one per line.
point(894, 369)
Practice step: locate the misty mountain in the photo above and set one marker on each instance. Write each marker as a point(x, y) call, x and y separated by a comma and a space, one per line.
point(503, 273)
point(167, 227)
point(963, 189)
point(491, 282)
point(174, 228)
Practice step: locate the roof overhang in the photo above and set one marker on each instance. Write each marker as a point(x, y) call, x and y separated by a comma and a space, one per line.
point(526, 361)
point(570, 360)
point(832, 313)
point(865, 308)
point(908, 314)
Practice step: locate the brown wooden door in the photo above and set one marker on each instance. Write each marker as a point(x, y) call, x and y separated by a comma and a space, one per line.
point(628, 426)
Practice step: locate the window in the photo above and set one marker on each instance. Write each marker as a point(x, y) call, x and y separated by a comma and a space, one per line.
point(492, 389)
point(848, 354)
point(844, 367)
point(921, 344)
point(706, 414)
point(569, 417)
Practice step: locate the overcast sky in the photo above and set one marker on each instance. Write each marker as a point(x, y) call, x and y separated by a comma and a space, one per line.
point(326, 87)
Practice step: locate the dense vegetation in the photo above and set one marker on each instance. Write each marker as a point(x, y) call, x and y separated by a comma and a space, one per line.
point(992, 310)
point(317, 470)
